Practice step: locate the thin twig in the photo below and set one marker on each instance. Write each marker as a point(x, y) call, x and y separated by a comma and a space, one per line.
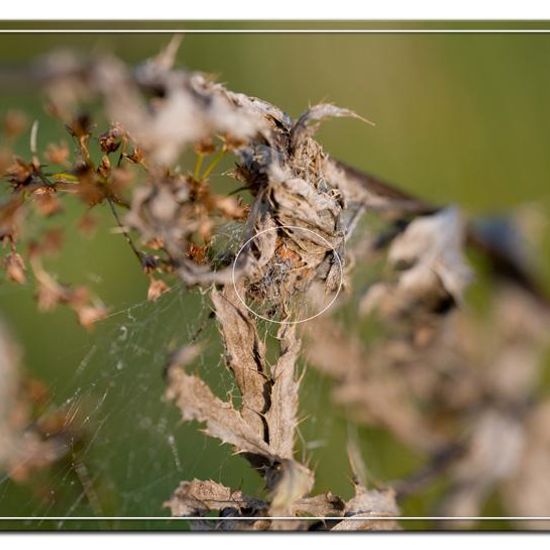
point(124, 231)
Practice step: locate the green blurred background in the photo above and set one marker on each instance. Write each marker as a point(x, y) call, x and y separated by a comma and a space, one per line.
point(460, 118)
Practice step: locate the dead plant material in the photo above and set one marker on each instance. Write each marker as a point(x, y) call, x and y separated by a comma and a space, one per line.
point(431, 377)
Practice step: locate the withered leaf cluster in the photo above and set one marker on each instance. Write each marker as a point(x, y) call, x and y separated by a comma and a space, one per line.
point(441, 382)
point(262, 428)
point(458, 386)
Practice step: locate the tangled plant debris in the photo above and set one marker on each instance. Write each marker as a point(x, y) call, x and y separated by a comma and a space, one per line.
point(432, 377)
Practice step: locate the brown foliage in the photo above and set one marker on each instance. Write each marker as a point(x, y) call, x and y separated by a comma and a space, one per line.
point(421, 379)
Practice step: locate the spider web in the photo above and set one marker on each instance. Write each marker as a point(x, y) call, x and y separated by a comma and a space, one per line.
point(134, 448)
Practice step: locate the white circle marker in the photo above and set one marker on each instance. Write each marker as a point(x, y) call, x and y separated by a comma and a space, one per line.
point(336, 255)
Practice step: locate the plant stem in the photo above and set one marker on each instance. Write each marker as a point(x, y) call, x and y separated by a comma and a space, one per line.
point(198, 166)
point(213, 164)
point(125, 233)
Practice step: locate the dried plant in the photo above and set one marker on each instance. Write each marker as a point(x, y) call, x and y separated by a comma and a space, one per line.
point(302, 235)
point(34, 434)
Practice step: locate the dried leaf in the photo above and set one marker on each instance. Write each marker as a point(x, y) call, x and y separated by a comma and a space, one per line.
point(289, 482)
point(51, 293)
point(321, 506)
point(245, 357)
point(371, 504)
point(309, 121)
point(157, 287)
point(435, 270)
point(434, 243)
point(57, 153)
point(364, 383)
point(197, 402)
point(15, 268)
point(193, 498)
point(282, 414)
point(89, 315)
point(493, 454)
